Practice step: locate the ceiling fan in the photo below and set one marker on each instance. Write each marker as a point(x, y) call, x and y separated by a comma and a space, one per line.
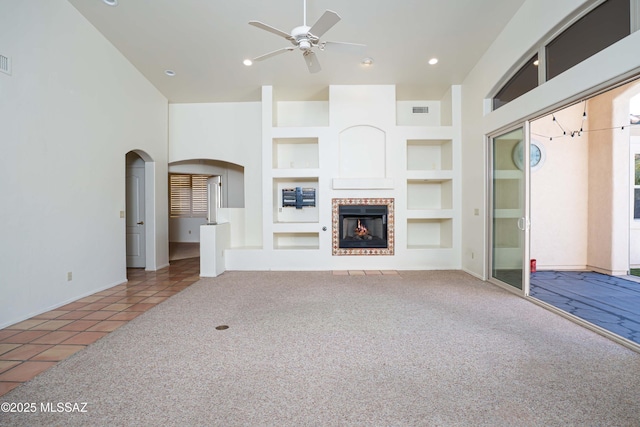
point(306, 38)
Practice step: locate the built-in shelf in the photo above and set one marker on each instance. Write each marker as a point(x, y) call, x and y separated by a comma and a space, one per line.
point(295, 153)
point(296, 173)
point(301, 113)
point(429, 155)
point(427, 194)
point(296, 241)
point(430, 214)
point(288, 214)
point(434, 176)
point(342, 142)
point(429, 233)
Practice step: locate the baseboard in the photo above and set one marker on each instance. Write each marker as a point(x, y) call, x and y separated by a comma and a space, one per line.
point(607, 271)
point(474, 274)
point(160, 267)
point(65, 302)
point(562, 267)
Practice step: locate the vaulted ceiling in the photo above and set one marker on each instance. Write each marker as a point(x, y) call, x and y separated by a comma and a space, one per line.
point(205, 42)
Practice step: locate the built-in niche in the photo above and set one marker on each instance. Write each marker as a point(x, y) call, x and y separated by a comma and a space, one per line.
point(363, 152)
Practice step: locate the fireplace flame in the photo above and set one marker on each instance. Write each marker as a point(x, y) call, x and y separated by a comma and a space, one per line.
point(361, 230)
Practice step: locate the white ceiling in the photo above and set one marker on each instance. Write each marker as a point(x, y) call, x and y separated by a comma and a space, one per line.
point(205, 42)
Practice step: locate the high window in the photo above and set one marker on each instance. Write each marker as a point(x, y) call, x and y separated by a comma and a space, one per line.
point(598, 29)
point(188, 195)
point(522, 82)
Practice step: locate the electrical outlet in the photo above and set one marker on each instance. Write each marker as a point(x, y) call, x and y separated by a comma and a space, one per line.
point(69, 276)
point(121, 214)
point(476, 211)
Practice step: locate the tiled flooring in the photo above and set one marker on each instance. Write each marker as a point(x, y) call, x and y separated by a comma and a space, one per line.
point(34, 345)
point(612, 303)
point(364, 272)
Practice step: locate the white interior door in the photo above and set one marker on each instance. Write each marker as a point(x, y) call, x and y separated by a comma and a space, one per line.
point(135, 239)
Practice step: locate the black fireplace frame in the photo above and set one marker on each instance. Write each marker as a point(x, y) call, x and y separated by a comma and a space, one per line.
point(373, 216)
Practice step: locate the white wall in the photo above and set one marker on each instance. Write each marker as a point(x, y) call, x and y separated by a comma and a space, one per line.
point(71, 110)
point(230, 132)
point(560, 193)
point(531, 23)
point(306, 242)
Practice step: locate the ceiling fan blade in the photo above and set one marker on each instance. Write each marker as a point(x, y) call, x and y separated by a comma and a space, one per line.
point(274, 53)
point(342, 46)
point(312, 61)
point(328, 19)
point(271, 29)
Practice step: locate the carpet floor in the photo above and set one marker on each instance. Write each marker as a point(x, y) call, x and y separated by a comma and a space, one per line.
point(424, 348)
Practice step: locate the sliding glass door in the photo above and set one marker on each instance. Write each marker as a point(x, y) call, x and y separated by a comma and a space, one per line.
point(509, 201)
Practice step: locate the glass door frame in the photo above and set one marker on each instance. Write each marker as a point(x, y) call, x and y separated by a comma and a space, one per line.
point(523, 223)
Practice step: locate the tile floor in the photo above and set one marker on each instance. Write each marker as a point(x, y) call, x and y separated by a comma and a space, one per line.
point(36, 344)
point(613, 303)
point(364, 272)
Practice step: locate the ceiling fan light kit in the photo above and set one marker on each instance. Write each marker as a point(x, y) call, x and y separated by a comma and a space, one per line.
point(305, 38)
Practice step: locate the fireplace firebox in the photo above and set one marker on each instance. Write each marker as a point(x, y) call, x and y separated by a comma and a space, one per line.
point(363, 226)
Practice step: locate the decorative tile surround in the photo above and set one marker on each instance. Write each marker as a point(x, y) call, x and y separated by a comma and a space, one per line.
point(337, 250)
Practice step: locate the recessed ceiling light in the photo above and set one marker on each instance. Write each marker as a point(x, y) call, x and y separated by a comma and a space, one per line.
point(536, 62)
point(433, 61)
point(367, 62)
point(110, 2)
point(247, 62)
point(170, 73)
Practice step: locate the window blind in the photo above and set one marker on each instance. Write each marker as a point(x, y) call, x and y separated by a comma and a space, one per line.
point(188, 195)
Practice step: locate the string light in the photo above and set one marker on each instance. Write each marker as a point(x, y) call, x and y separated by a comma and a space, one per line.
point(634, 120)
point(564, 132)
point(584, 131)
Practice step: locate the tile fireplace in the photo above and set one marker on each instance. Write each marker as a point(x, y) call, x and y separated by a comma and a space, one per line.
point(363, 226)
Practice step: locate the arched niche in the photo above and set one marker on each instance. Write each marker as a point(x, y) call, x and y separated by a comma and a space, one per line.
point(363, 152)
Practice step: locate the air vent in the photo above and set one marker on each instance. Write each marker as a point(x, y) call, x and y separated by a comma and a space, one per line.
point(420, 110)
point(5, 64)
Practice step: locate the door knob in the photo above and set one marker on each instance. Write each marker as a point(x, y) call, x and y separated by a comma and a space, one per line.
point(141, 223)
